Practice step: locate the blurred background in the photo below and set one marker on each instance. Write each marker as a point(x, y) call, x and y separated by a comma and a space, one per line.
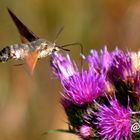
point(30, 105)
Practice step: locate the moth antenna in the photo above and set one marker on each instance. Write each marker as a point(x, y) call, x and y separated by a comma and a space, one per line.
point(58, 33)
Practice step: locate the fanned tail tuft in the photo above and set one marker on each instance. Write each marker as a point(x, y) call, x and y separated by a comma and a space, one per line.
point(5, 54)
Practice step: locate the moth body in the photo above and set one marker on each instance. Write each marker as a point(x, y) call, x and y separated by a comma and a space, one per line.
point(21, 51)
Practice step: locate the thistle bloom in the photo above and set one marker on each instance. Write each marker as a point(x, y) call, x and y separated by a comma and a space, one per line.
point(121, 65)
point(114, 121)
point(84, 87)
point(79, 87)
point(118, 62)
point(99, 63)
point(63, 66)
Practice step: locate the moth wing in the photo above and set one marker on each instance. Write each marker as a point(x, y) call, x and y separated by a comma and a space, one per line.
point(23, 39)
point(23, 30)
point(31, 61)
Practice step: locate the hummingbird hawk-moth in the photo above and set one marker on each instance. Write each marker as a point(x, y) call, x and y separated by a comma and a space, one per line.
point(32, 47)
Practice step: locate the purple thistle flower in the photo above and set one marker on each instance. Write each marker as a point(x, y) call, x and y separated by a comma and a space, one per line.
point(83, 87)
point(117, 63)
point(63, 66)
point(121, 65)
point(99, 63)
point(79, 87)
point(114, 121)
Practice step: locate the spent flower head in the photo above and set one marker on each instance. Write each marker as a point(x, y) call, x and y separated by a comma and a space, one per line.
point(135, 56)
point(85, 131)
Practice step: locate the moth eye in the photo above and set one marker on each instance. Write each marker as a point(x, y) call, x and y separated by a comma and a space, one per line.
point(46, 46)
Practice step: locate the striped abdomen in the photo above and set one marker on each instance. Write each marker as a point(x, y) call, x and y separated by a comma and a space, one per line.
point(16, 51)
point(20, 51)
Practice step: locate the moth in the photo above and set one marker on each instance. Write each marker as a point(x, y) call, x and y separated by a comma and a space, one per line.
point(31, 47)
